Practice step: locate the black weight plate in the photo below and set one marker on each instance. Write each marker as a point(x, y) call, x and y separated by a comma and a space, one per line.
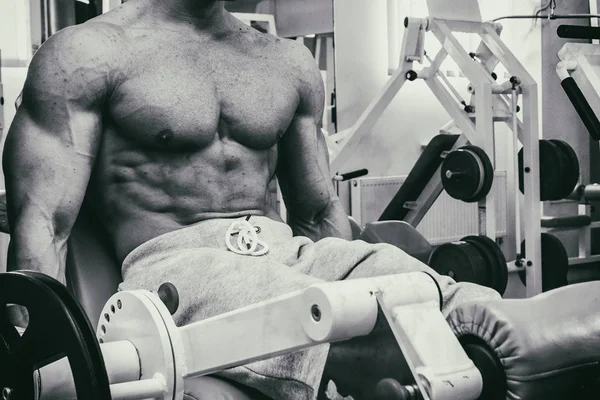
point(552, 183)
point(57, 328)
point(93, 358)
point(488, 174)
point(484, 270)
point(499, 269)
point(555, 263)
point(558, 188)
point(458, 260)
point(551, 161)
point(570, 175)
point(467, 175)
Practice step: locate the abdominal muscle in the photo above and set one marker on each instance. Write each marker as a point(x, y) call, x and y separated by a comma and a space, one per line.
point(140, 195)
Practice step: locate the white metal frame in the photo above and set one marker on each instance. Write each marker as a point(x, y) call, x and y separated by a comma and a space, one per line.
point(249, 17)
point(493, 102)
point(321, 313)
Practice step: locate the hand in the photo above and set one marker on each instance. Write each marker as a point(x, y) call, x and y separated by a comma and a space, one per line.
point(17, 316)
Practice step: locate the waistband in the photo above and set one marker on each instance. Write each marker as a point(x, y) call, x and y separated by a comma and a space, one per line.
point(208, 234)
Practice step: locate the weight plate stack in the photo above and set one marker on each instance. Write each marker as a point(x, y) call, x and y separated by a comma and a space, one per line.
point(467, 174)
point(570, 169)
point(559, 169)
point(555, 263)
point(459, 260)
point(494, 264)
point(57, 328)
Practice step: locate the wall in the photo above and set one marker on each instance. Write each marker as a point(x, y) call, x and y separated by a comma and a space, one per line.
point(303, 17)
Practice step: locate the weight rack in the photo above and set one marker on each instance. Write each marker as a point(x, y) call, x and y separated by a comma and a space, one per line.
point(490, 103)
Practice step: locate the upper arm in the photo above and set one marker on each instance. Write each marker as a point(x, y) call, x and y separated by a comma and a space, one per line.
point(51, 145)
point(303, 169)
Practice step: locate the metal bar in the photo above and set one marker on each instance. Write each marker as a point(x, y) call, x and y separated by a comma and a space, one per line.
point(431, 192)
point(515, 195)
point(513, 268)
point(139, 390)
point(594, 21)
point(530, 140)
point(505, 101)
point(122, 365)
point(533, 205)
point(321, 313)
point(438, 60)
point(505, 56)
point(459, 115)
point(448, 84)
point(484, 123)
point(441, 369)
point(475, 72)
point(486, 57)
point(513, 232)
point(573, 261)
point(462, 26)
point(318, 314)
point(585, 233)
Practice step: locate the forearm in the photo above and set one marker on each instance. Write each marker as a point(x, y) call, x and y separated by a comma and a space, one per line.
point(332, 221)
point(37, 248)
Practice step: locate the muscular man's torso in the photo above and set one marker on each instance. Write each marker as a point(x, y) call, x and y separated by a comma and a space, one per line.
point(191, 127)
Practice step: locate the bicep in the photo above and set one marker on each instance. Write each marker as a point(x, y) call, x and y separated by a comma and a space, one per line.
point(46, 174)
point(50, 147)
point(303, 169)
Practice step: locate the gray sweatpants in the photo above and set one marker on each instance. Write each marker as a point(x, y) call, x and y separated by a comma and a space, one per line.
point(212, 280)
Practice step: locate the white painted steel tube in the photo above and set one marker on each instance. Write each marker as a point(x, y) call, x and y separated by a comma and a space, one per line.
point(55, 381)
point(138, 390)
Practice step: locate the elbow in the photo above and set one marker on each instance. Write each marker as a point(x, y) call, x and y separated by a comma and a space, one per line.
point(34, 221)
point(324, 210)
point(314, 213)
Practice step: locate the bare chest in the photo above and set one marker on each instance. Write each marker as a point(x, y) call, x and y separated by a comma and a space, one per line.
point(189, 96)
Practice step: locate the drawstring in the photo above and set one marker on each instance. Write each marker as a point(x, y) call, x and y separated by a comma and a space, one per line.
point(247, 239)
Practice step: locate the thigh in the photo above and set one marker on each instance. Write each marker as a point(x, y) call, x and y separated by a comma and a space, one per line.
point(213, 388)
point(334, 259)
point(214, 281)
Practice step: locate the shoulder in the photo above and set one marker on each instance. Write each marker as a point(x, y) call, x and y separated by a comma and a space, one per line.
point(299, 58)
point(81, 57)
point(303, 67)
point(87, 43)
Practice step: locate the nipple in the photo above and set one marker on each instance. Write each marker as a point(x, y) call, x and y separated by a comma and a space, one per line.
point(165, 136)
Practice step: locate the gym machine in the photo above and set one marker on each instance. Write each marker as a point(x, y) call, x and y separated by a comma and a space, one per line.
point(472, 124)
point(578, 74)
point(141, 354)
point(536, 348)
